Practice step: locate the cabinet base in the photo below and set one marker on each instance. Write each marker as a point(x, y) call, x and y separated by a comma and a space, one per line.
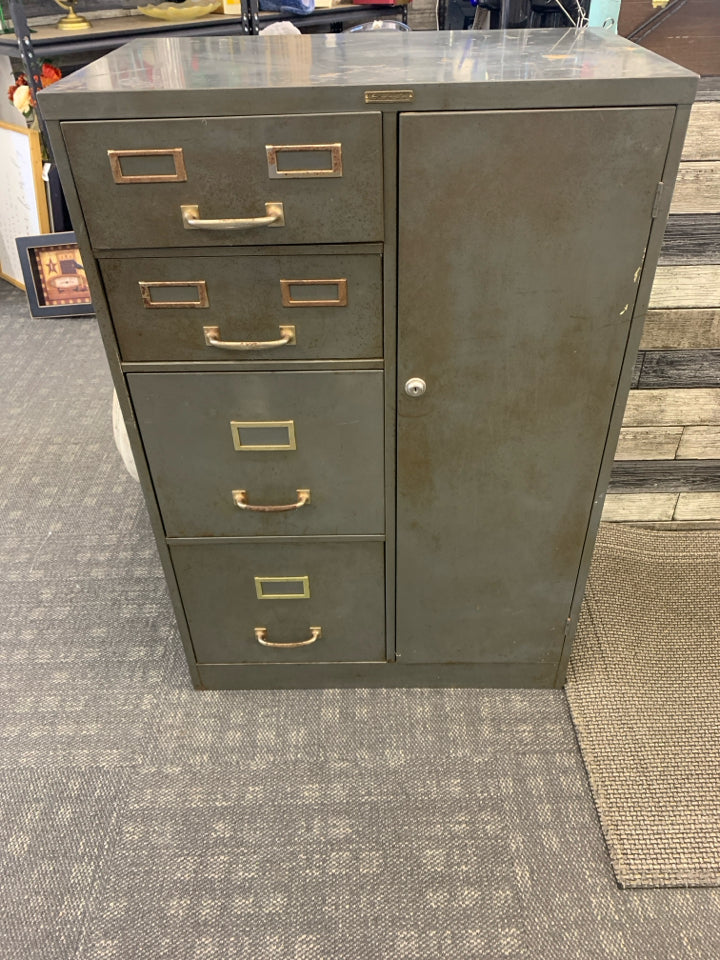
point(298, 676)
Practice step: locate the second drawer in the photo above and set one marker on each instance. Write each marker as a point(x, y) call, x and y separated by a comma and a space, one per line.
point(163, 306)
point(219, 444)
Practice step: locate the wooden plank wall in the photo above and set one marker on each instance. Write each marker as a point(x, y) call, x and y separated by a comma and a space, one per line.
point(422, 15)
point(686, 31)
point(667, 463)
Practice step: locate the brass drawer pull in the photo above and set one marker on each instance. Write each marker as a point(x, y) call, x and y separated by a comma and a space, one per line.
point(261, 637)
point(240, 500)
point(275, 217)
point(212, 339)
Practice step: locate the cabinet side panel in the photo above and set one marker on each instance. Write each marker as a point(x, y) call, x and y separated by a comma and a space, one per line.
point(655, 243)
point(517, 317)
point(111, 349)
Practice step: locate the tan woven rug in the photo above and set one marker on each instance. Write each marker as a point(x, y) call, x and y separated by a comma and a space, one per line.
point(644, 692)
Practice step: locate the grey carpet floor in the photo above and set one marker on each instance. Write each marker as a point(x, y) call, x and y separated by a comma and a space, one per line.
point(646, 702)
point(141, 819)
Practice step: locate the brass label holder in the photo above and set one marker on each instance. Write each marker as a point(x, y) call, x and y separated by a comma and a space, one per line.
point(304, 583)
point(116, 156)
point(237, 425)
point(289, 301)
point(334, 170)
point(147, 286)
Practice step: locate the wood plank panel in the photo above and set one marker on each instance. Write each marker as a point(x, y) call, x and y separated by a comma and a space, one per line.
point(697, 188)
point(690, 36)
point(665, 476)
point(692, 238)
point(648, 443)
point(699, 54)
point(639, 506)
point(697, 286)
point(698, 443)
point(697, 506)
point(422, 15)
point(637, 370)
point(708, 89)
point(682, 330)
point(652, 408)
point(663, 369)
point(633, 14)
point(703, 136)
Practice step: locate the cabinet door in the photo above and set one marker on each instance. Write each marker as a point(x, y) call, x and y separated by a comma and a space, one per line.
point(516, 314)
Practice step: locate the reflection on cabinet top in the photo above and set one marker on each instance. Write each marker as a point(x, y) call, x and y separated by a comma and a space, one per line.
point(392, 71)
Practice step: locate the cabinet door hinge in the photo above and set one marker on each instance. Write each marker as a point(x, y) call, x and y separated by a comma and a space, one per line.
point(658, 199)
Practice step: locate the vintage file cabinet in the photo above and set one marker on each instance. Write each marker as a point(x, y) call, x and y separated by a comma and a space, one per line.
point(371, 305)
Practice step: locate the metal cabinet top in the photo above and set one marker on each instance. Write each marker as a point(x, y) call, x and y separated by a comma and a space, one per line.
point(391, 71)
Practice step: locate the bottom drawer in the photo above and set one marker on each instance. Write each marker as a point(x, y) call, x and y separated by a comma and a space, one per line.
point(241, 599)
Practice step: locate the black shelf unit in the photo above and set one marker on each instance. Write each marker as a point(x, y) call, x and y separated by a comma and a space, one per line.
point(336, 18)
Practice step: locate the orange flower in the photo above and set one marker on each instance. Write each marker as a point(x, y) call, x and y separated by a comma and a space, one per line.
point(49, 74)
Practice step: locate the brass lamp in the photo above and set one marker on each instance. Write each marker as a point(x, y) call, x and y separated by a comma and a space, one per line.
point(73, 21)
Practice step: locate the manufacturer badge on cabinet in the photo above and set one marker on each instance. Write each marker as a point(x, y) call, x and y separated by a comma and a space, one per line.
point(389, 96)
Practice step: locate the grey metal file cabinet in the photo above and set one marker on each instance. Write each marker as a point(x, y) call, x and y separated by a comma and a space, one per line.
point(371, 305)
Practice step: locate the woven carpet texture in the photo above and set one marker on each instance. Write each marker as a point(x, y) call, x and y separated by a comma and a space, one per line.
point(644, 690)
point(142, 820)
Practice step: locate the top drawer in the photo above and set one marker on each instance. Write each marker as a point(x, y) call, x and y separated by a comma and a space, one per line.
point(322, 174)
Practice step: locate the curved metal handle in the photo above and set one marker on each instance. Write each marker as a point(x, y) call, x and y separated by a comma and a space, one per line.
point(213, 339)
point(274, 217)
point(240, 500)
point(261, 637)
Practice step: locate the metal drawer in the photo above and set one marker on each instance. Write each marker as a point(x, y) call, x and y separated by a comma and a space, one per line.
point(162, 307)
point(287, 591)
point(134, 177)
point(208, 436)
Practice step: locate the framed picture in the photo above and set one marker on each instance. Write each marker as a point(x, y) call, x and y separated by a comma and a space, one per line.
point(54, 275)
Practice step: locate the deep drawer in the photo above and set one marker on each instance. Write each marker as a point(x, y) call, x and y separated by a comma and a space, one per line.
point(133, 178)
point(162, 307)
point(231, 590)
point(272, 435)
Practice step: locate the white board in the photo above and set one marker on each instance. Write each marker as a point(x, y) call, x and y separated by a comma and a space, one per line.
point(23, 205)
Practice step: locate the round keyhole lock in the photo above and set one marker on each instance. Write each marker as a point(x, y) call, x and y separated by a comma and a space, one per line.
point(415, 387)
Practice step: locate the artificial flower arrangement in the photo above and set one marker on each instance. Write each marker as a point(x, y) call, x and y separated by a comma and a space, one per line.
point(20, 94)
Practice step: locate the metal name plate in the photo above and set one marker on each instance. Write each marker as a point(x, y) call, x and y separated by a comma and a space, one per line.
point(389, 96)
